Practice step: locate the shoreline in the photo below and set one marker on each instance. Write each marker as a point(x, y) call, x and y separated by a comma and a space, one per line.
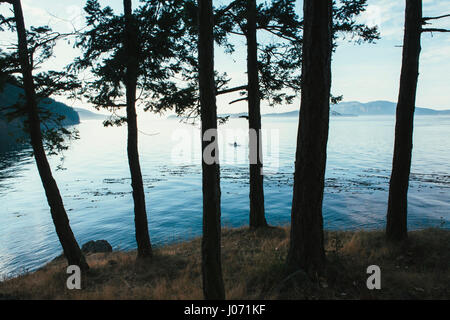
point(254, 268)
point(193, 236)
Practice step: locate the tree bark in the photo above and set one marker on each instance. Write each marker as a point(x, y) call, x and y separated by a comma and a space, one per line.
point(306, 242)
point(60, 219)
point(396, 227)
point(257, 215)
point(144, 247)
point(213, 287)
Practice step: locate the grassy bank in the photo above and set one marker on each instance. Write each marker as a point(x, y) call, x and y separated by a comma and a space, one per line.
point(254, 268)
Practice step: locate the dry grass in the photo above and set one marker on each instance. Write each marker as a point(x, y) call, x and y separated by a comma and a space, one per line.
point(254, 268)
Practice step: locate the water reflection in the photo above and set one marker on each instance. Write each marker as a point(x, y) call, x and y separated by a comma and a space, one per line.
point(97, 193)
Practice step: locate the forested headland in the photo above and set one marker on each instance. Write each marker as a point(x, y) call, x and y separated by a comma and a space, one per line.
point(11, 130)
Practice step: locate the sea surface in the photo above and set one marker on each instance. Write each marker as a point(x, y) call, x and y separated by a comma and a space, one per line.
point(94, 181)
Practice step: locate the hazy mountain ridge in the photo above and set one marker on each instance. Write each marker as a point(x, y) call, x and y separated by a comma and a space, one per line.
point(296, 112)
point(380, 107)
point(355, 108)
point(349, 109)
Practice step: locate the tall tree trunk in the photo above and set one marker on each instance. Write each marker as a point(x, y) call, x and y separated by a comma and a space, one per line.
point(306, 243)
point(396, 227)
point(213, 287)
point(144, 247)
point(257, 218)
point(60, 219)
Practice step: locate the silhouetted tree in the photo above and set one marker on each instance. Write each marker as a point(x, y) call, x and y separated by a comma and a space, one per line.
point(60, 219)
point(257, 214)
point(396, 227)
point(245, 18)
point(131, 73)
point(322, 23)
point(129, 53)
point(213, 287)
point(273, 75)
point(41, 42)
point(306, 243)
point(183, 96)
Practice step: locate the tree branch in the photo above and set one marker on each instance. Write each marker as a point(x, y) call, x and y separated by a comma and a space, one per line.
point(278, 34)
point(244, 87)
point(110, 105)
point(435, 30)
point(220, 13)
point(54, 36)
point(238, 33)
point(238, 100)
point(241, 27)
point(435, 18)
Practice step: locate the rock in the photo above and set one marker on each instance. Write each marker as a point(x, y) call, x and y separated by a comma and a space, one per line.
point(96, 246)
point(112, 263)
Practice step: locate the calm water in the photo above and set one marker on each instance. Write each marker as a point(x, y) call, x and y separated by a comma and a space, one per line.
point(96, 187)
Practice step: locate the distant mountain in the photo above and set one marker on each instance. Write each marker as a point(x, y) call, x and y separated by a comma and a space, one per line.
point(296, 112)
point(11, 131)
point(379, 108)
point(89, 115)
point(352, 109)
point(355, 108)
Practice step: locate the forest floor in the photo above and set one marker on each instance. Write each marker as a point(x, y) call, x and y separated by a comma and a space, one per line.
point(254, 268)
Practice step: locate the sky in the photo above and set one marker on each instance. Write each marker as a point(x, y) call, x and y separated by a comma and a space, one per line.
point(364, 73)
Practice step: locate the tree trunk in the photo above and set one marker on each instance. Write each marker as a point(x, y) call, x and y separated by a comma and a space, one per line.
point(396, 227)
point(257, 218)
point(306, 243)
point(144, 247)
point(60, 219)
point(213, 287)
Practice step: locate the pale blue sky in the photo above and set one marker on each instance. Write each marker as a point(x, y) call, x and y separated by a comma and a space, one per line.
point(360, 72)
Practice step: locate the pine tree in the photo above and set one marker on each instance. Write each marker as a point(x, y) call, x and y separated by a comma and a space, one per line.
point(213, 287)
point(126, 53)
point(60, 219)
point(306, 249)
point(396, 227)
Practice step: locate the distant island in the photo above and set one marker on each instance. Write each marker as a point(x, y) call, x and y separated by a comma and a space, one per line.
point(296, 112)
point(375, 108)
point(355, 108)
point(10, 131)
point(348, 109)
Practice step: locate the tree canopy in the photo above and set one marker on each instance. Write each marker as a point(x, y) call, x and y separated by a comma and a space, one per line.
point(159, 30)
